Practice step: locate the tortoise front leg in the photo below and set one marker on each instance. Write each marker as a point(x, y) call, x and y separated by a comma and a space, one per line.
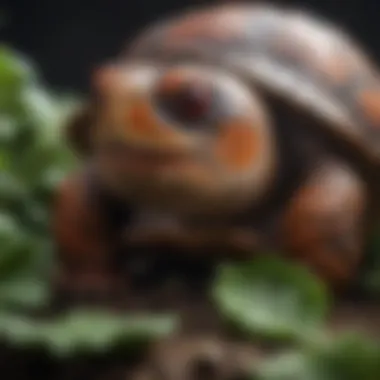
point(324, 225)
point(86, 249)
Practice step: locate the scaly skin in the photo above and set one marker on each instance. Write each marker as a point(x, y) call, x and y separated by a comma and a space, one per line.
point(246, 125)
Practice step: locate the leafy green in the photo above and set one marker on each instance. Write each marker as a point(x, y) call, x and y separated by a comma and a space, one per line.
point(24, 293)
point(88, 331)
point(350, 357)
point(33, 160)
point(16, 247)
point(271, 298)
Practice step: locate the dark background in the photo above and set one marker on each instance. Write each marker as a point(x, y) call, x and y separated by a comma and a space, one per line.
point(68, 38)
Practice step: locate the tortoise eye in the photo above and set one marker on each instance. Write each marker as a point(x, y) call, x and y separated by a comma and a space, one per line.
point(188, 103)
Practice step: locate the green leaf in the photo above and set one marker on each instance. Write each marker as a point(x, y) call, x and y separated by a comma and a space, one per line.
point(98, 331)
point(4, 160)
point(21, 330)
point(40, 109)
point(11, 244)
point(86, 331)
point(33, 159)
point(350, 357)
point(34, 216)
point(24, 293)
point(289, 366)
point(17, 248)
point(8, 130)
point(14, 67)
point(271, 298)
point(15, 73)
point(12, 191)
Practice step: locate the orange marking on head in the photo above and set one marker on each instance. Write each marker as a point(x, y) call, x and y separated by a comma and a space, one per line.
point(142, 122)
point(370, 103)
point(238, 146)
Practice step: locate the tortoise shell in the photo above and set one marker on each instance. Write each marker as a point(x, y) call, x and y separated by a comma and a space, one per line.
point(289, 54)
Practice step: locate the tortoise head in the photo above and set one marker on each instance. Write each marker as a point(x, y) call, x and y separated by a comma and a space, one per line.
point(187, 138)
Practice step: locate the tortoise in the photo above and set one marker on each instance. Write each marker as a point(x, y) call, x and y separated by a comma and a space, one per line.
point(227, 130)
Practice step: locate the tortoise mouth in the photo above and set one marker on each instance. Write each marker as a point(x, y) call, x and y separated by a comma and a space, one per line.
point(145, 159)
point(155, 156)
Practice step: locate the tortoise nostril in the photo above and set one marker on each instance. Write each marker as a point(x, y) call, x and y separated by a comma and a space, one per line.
point(203, 368)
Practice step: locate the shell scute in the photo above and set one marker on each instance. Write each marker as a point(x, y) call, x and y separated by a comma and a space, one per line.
point(304, 59)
